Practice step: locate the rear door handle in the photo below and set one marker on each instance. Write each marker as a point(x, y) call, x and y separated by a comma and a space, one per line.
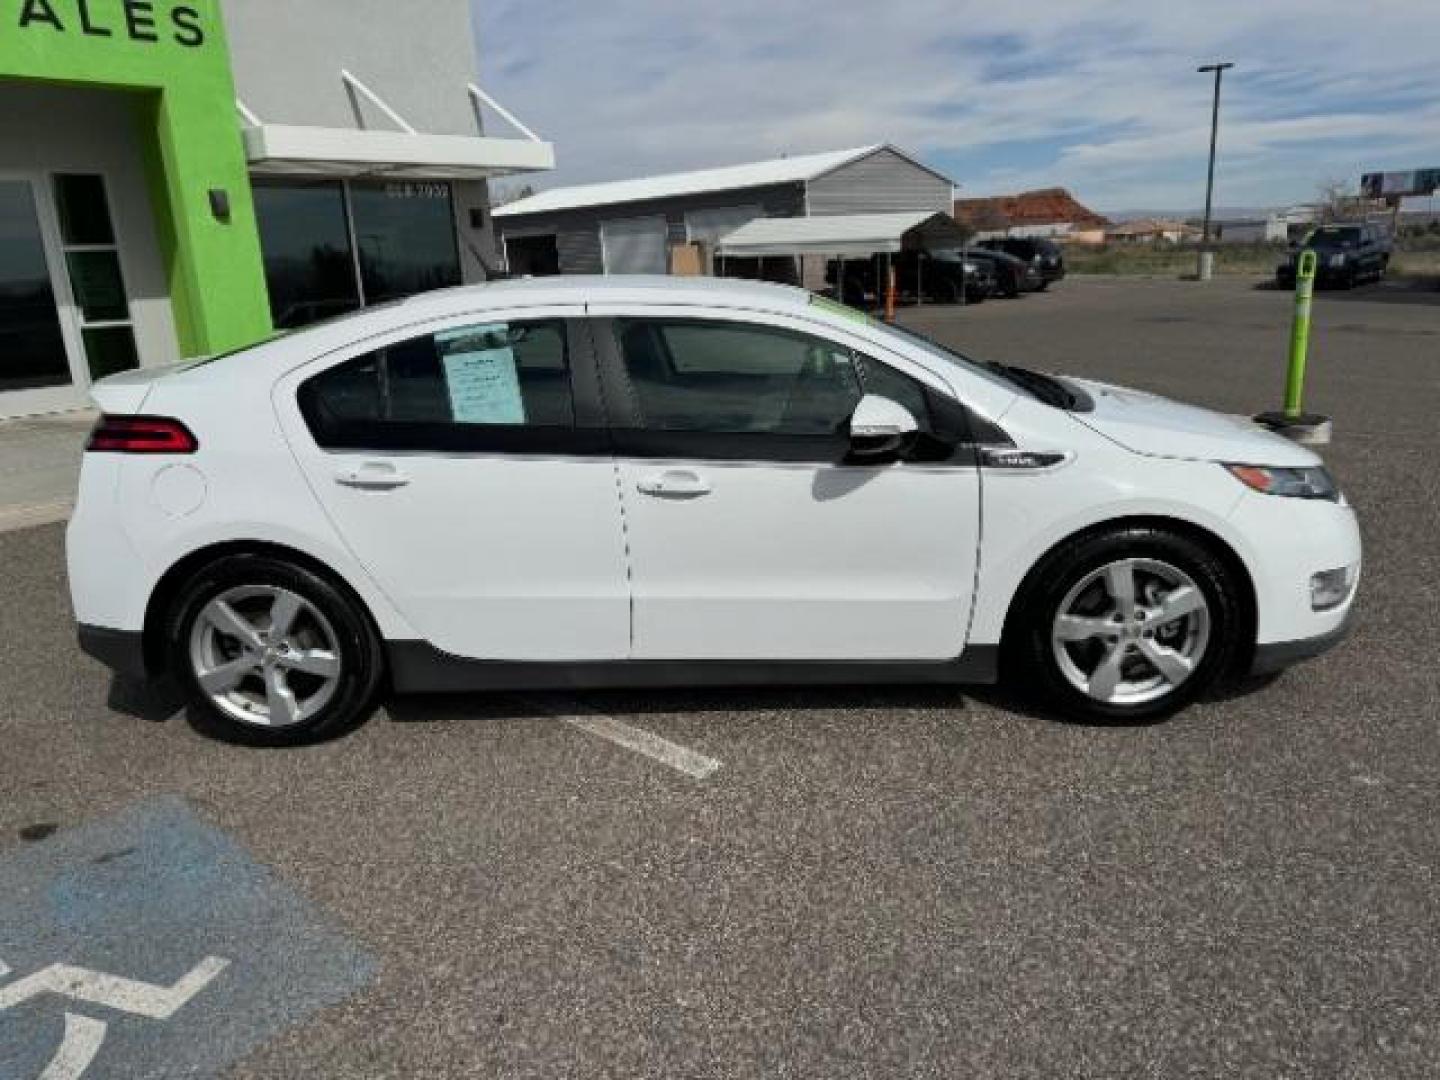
point(373, 475)
point(674, 484)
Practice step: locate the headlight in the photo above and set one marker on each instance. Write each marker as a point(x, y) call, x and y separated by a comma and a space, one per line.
point(1311, 483)
point(1337, 260)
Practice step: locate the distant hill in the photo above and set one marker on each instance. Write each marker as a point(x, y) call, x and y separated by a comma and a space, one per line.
point(1044, 206)
point(1219, 213)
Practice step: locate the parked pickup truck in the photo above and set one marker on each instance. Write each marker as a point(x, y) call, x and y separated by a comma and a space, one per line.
point(1345, 255)
point(1044, 255)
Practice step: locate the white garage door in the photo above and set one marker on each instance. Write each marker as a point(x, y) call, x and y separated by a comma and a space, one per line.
point(711, 225)
point(634, 245)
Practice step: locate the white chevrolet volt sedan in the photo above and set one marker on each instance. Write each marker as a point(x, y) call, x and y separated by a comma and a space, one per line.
point(633, 481)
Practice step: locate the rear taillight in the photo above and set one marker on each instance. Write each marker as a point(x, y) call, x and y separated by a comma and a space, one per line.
point(141, 435)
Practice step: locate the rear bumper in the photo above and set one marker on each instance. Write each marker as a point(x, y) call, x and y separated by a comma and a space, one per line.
point(1279, 655)
point(122, 651)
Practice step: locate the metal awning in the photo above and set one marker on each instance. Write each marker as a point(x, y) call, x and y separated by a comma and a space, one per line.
point(843, 236)
point(312, 151)
point(404, 153)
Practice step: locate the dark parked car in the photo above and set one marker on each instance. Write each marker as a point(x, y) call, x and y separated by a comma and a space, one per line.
point(1345, 255)
point(1012, 276)
point(1044, 255)
point(936, 277)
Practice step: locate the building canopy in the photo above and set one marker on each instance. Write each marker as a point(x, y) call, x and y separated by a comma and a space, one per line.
point(843, 236)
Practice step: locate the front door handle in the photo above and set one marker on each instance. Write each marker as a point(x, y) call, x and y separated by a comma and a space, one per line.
point(373, 475)
point(674, 484)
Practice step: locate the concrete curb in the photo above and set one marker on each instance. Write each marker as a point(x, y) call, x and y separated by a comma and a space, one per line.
point(15, 518)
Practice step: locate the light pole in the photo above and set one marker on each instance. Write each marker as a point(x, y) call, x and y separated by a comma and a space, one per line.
point(1206, 258)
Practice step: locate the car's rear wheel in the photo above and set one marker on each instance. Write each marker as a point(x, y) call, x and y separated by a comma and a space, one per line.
point(1129, 625)
point(272, 653)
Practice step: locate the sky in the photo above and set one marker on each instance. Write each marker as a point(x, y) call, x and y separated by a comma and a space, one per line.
point(1099, 96)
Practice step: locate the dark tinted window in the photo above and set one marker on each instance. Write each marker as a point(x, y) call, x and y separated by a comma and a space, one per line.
point(1332, 235)
point(32, 350)
point(309, 267)
point(405, 232)
point(511, 375)
point(84, 212)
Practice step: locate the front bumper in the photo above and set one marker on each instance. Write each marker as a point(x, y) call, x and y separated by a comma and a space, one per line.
point(1279, 655)
point(1324, 275)
point(122, 651)
point(1285, 543)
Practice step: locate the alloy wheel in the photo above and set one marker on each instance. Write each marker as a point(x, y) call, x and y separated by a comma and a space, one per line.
point(1131, 632)
point(265, 656)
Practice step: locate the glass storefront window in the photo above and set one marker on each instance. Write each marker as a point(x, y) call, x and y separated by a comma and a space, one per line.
point(32, 350)
point(305, 241)
point(405, 232)
point(332, 246)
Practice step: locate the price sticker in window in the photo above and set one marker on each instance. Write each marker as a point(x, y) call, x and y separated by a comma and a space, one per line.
point(481, 375)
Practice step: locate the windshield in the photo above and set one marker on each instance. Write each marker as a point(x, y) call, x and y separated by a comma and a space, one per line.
point(1331, 236)
point(1032, 384)
point(1043, 388)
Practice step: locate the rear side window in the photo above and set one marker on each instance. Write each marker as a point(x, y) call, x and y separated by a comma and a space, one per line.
point(477, 378)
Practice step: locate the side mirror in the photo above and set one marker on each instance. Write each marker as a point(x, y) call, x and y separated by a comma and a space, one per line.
point(881, 429)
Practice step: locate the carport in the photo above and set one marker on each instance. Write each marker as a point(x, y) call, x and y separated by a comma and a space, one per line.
point(842, 236)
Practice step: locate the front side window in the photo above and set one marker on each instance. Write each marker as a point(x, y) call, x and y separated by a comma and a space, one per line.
point(446, 390)
point(734, 378)
point(748, 392)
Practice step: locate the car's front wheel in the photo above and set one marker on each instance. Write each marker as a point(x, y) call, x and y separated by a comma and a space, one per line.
point(272, 653)
point(1129, 625)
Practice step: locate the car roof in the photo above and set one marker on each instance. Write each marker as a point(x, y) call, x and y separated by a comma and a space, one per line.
point(283, 353)
point(539, 292)
point(601, 289)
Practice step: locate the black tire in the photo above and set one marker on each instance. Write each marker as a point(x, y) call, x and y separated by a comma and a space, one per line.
point(361, 659)
point(1042, 286)
point(1030, 655)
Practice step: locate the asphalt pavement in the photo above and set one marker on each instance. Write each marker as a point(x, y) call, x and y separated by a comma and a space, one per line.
point(844, 883)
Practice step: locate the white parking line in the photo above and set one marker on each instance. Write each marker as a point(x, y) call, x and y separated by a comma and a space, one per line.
point(680, 758)
point(83, 1037)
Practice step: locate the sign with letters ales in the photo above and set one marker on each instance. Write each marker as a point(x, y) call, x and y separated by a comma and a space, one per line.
point(147, 22)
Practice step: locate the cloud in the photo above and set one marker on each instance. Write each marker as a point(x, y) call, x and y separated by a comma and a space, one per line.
point(1100, 96)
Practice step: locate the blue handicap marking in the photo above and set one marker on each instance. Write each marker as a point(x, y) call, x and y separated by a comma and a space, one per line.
point(150, 944)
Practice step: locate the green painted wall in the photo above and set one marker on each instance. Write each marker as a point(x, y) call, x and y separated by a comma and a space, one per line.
point(174, 57)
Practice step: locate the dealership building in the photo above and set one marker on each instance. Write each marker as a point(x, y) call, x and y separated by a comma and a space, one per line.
point(182, 178)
